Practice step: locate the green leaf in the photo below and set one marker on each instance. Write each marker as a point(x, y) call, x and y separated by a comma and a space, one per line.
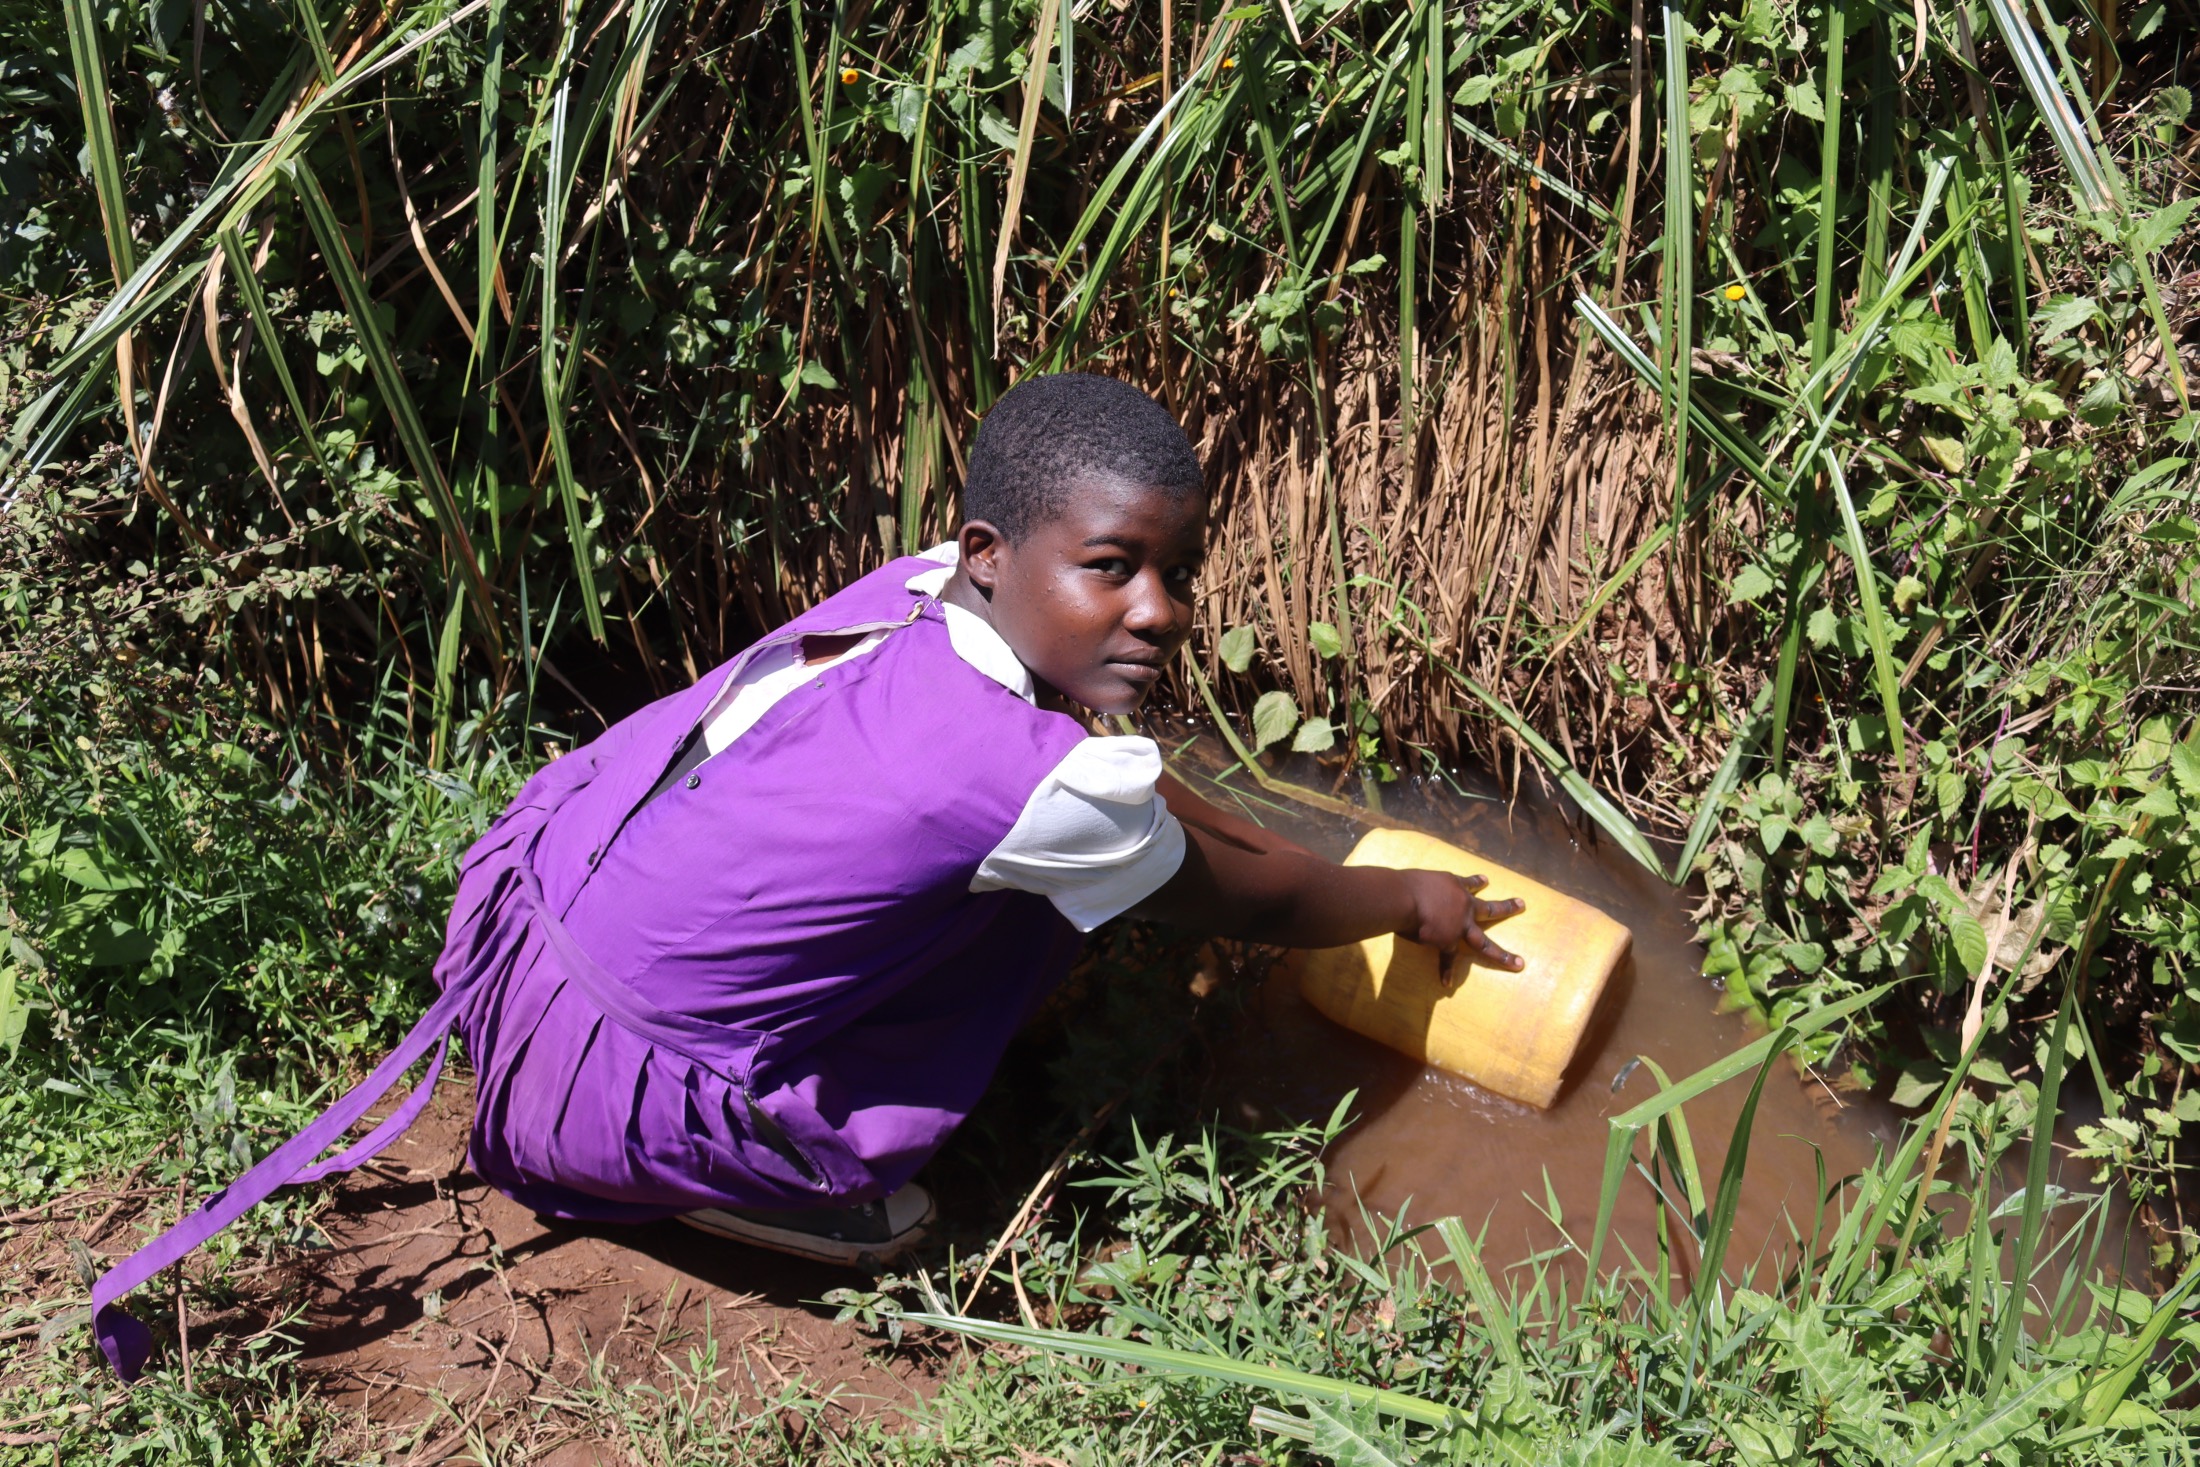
point(997, 129)
point(1866, 733)
point(15, 1014)
point(1914, 1088)
point(2154, 233)
point(1714, 796)
point(2184, 766)
point(1875, 621)
point(1804, 957)
point(1325, 639)
point(81, 867)
point(1947, 452)
point(1677, 290)
point(2089, 180)
point(1159, 1360)
point(1466, 1256)
point(1824, 623)
point(1351, 1438)
point(2106, 1398)
point(1753, 582)
point(2063, 315)
point(1963, 926)
point(1273, 716)
point(2160, 802)
point(2103, 398)
point(48, 420)
point(1629, 1124)
point(1236, 648)
point(1316, 736)
point(1845, 1388)
point(1475, 91)
point(110, 943)
point(100, 153)
point(2145, 479)
point(1949, 788)
point(263, 324)
point(2040, 404)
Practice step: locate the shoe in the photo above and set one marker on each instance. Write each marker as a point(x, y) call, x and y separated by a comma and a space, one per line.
point(869, 1235)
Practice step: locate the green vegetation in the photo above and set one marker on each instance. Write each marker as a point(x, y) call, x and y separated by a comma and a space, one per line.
point(206, 918)
point(1235, 1309)
point(386, 388)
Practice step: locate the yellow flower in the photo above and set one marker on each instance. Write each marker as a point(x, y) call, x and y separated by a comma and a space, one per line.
point(1735, 292)
point(849, 76)
point(1229, 63)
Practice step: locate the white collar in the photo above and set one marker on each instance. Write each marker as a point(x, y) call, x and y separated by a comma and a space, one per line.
point(974, 641)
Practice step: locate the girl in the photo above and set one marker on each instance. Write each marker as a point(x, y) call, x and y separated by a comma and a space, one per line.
point(750, 956)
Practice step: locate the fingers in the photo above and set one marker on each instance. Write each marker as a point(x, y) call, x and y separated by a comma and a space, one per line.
point(1471, 942)
point(1474, 941)
point(1489, 911)
point(1478, 947)
point(1499, 911)
point(1479, 942)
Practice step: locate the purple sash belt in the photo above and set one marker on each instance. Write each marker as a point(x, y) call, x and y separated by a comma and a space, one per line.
point(515, 901)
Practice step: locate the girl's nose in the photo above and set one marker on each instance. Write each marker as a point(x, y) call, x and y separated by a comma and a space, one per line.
point(1153, 612)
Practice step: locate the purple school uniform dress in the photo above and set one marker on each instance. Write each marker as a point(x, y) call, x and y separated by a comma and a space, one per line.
point(772, 985)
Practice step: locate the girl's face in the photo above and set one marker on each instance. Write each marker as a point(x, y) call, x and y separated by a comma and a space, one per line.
point(1096, 599)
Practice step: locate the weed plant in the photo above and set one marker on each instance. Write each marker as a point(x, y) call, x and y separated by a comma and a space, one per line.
point(210, 925)
point(207, 917)
point(1221, 1321)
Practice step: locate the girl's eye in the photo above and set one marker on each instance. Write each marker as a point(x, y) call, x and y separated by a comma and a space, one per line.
point(1184, 575)
point(1114, 565)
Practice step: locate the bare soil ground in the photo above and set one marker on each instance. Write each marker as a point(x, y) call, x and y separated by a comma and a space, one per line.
point(444, 1311)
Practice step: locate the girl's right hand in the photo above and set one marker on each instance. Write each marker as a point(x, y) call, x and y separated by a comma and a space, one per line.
point(1449, 916)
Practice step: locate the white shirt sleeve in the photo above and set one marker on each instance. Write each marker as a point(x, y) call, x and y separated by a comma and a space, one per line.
point(1094, 838)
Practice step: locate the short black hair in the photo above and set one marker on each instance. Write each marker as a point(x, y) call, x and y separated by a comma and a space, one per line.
point(1048, 433)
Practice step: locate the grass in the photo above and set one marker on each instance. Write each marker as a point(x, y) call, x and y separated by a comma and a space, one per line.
point(1224, 1320)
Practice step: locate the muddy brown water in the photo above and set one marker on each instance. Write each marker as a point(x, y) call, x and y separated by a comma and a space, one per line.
point(1429, 1144)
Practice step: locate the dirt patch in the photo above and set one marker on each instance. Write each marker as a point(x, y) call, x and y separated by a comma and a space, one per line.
point(443, 1310)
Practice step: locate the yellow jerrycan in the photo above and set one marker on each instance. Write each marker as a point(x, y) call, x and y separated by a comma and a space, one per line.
point(1513, 1033)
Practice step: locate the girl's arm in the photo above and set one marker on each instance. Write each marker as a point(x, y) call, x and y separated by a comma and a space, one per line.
point(1292, 899)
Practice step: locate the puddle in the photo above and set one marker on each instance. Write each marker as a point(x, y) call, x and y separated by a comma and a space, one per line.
point(1433, 1145)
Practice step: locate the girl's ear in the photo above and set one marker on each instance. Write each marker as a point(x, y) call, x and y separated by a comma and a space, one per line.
point(982, 547)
